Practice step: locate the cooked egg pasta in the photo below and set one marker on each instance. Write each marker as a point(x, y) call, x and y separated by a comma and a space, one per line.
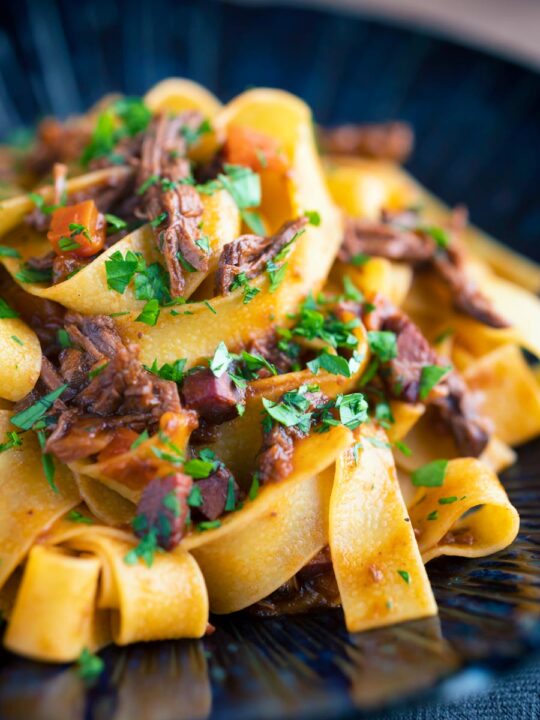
point(213, 392)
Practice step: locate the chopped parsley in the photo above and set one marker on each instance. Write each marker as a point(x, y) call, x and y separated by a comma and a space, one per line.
point(17, 340)
point(351, 291)
point(169, 371)
point(28, 417)
point(447, 500)
point(115, 223)
point(199, 468)
point(313, 217)
point(208, 525)
point(334, 364)
point(254, 487)
point(47, 461)
point(212, 310)
point(242, 281)
point(221, 360)
point(78, 517)
point(6, 311)
point(404, 575)
point(353, 409)
point(434, 515)
point(440, 236)
point(403, 448)
point(143, 437)
point(120, 270)
point(430, 475)
point(13, 439)
point(27, 274)
point(193, 135)
point(146, 548)
point(430, 376)
point(150, 313)
point(97, 371)
point(359, 259)
point(89, 666)
point(383, 344)
point(6, 251)
point(63, 338)
point(195, 498)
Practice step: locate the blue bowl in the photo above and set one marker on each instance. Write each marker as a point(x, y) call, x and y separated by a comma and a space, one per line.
point(477, 120)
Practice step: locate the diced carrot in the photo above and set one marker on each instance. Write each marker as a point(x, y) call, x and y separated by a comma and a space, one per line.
point(254, 149)
point(77, 229)
point(120, 444)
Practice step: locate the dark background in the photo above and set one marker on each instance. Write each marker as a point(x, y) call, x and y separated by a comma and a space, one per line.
point(476, 118)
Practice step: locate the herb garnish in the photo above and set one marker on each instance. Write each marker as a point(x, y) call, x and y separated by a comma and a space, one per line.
point(6, 311)
point(430, 376)
point(28, 417)
point(90, 666)
point(430, 475)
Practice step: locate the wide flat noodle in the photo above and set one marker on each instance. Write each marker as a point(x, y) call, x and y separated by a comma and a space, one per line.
point(88, 291)
point(508, 394)
point(20, 359)
point(88, 594)
point(447, 527)
point(379, 275)
point(29, 505)
point(106, 504)
point(263, 545)
point(288, 121)
point(379, 571)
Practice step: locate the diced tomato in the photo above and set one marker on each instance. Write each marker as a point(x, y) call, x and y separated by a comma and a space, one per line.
point(121, 443)
point(254, 149)
point(77, 229)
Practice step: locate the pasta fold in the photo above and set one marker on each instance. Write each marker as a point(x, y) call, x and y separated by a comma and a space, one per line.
point(441, 516)
point(20, 359)
point(379, 571)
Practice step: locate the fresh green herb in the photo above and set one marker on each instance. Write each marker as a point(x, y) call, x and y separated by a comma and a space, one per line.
point(447, 500)
point(443, 335)
point(430, 376)
point(13, 439)
point(383, 413)
point(242, 281)
point(66, 244)
point(403, 448)
point(6, 311)
point(378, 443)
point(152, 283)
point(193, 135)
point(240, 409)
point(143, 437)
point(430, 475)
point(120, 270)
point(230, 502)
point(78, 229)
point(253, 221)
point(208, 525)
point(195, 498)
point(27, 274)
point(359, 259)
point(203, 242)
point(383, 344)
point(6, 251)
point(39, 202)
point(334, 364)
point(115, 223)
point(353, 409)
point(313, 324)
point(89, 666)
point(292, 410)
point(221, 361)
point(370, 372)
point(17, 340)
point(146, 549)
point(169, 371)
point(313, 217)
point(198, 468)
point(276, 274)
point(28, 417)
point(212, 310)
point(434, 515)
point(97, 371)
point(156, 222)
point(351, 291)
point(242, 184)
point(150, 313)
point(76, 516)
point(253, 363)
point(152, 180)
point(440, 236)
point(63, 338)
point(405, 576)
point(47, 461)
point(254, 487)
point(356, 447)
point(124, 118)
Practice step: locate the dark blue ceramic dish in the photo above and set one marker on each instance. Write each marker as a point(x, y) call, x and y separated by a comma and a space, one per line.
point(477, 120)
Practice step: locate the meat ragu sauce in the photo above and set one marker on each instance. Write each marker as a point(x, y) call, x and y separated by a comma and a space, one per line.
point(101, 399)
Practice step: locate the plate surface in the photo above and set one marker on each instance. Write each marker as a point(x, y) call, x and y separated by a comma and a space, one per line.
point(477, 120)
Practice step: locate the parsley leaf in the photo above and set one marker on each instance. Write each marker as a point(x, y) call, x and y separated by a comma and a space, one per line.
point(6, 311)
point(26, 418)
point(120, 270)
point(76, 516)
point(351, 291)
point(221, 361)
point(146, 549)
point(195, 498)
point(13, 440)
point(404, 575)
point(198, 468)
point(192, 135)
point(353, 409)
point(27, 274)
point(334, 364)
point(430, 376)
point(90, 666)
point(150, 313)
point(243, 185)
point(448, 500)
point(169, 371)
point(6, 251)
point(430, 475)
point(313, 217)
point(440, 236)
point(47, 461)
point(242, 281)
point(383, 344)
point(152, 282)
point(115, 222)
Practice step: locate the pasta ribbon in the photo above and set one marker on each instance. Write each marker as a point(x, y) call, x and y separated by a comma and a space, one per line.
point(20, 359)
point(441, 516)
point(272, 537)
point(379, 571)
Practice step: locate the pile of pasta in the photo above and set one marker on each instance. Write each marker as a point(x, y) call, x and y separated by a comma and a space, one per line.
point(65, 585)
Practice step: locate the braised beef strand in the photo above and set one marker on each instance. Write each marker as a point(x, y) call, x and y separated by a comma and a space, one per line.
point(401, 237)
point(383, 141)
point(56, 142)
point(163, 509)
point(174, 208)
point(274, 462)
point(214, 491)
point(249, 254)
point(401, 377)
point(215, 399)
point(108, 388)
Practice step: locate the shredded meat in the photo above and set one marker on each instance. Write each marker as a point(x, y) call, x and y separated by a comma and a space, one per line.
point(275, 460)
point(56, 142)
point(249, 254)
point(385, 141)
point(402, 374)
point(215, 399)
point(163, 508)
point(313, 587)
point(267, 348)
point(214, 490)
point(108, 388)
point(176, 209)
point(400, 237)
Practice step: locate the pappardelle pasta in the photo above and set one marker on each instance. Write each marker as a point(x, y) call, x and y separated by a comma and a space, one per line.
point(238, 374)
